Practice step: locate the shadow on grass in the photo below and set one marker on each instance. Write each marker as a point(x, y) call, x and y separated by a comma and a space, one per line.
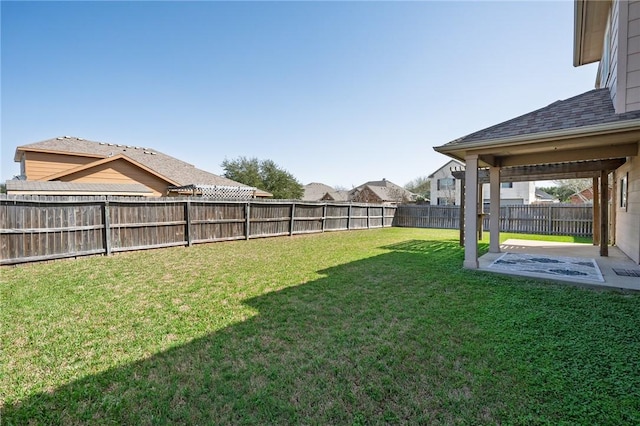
point(396, 338)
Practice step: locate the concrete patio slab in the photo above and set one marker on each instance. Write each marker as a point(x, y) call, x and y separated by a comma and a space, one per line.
point(616, 260)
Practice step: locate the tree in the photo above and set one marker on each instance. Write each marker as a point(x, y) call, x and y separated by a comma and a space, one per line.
point(420, 186)
point(3, 188)
point(265, 175)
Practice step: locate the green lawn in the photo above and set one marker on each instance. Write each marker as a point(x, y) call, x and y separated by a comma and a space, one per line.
point(363, 327)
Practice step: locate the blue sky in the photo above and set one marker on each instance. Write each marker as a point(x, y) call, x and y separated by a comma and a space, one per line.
point(333, 92)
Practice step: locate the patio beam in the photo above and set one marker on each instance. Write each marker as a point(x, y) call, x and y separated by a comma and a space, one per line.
point(580, 169)
point(582, 154)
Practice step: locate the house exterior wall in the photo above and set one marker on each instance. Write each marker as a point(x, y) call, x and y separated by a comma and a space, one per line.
point(444, 172)
point(520, 193)
point(119, 171)
point(619, 68)
point(38, 165)
point(628, 218)
point(631, 55)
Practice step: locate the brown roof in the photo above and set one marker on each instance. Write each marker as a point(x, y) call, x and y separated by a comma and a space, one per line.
point(170, 168)
point(314, 191)
point(385, 190)
point(587, 109)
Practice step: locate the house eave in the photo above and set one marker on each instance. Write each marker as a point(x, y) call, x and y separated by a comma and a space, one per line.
point(590, 22)
point(458, 151)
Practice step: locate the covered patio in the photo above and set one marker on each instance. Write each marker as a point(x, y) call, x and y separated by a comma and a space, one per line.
point(578, 137)
point(616, 269)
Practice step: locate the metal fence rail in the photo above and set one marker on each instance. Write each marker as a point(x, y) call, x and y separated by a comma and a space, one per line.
point(553, 219)
point(45, 228)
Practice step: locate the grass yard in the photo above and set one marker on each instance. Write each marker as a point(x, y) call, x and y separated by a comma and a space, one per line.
point(363, 327)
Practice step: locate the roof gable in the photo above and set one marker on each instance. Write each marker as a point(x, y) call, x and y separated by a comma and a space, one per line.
point(173, 170)
point(104, 161)
point(447, 167)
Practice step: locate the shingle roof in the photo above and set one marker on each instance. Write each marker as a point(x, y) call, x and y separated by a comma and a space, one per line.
point(169, 167)
point(314, 191)
point(58, 186)
point(587, 109)
point(338, 195)
point(385, 190)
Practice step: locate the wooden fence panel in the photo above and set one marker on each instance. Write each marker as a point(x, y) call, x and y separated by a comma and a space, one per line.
point(337, 218)
point(39, 230)
point(552, 219)
point(358, 218)
point(43, 228)
point(270, 219)
point(217, 221)
point(137, 226)
point(308, 218)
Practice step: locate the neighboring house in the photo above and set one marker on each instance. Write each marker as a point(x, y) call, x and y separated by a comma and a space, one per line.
point(446, 189)
point(592, 135)
point(315, 191)
point(545, 198)
point(336, 196)
point(74, 166)
point(381, 192)
point(582, 197)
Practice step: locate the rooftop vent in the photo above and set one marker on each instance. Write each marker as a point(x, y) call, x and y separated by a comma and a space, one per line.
point(60, 138)
point(80, 139)
point(67, 137)
point(103, 143)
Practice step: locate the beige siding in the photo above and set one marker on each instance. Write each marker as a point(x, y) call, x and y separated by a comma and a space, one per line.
point(119, 171)
point(628, 219)
point(625, 87)
point(608, 72)
point(39, 165)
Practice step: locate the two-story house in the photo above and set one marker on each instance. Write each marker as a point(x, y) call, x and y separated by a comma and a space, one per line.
point(446, 190)
point(594, 134)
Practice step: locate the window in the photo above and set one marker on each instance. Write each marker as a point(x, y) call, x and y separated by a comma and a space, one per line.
point(624, 191)
point(506, 185)
point(446, 183)
point(444, 201)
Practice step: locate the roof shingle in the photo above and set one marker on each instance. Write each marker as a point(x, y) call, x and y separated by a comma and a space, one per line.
point(587, 109)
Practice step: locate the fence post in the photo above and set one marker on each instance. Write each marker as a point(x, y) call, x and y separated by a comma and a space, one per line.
point(187, 224)
point(293, 216)
point(349, 217)
point(368, 216)
point(324, 216)
point(106, 219)
point(550, 230)
point(247, 222)
point(383, 216)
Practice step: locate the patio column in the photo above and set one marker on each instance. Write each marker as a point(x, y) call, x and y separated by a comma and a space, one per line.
point(494, 210)
point(471, 212)
point(604, 213)
point(596, 211)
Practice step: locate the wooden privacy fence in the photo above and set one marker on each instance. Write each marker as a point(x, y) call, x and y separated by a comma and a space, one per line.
point(35, 229)
point(552, 219)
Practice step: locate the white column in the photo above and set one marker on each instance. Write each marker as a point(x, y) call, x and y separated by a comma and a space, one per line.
point(471, 213)
point(494, 210)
